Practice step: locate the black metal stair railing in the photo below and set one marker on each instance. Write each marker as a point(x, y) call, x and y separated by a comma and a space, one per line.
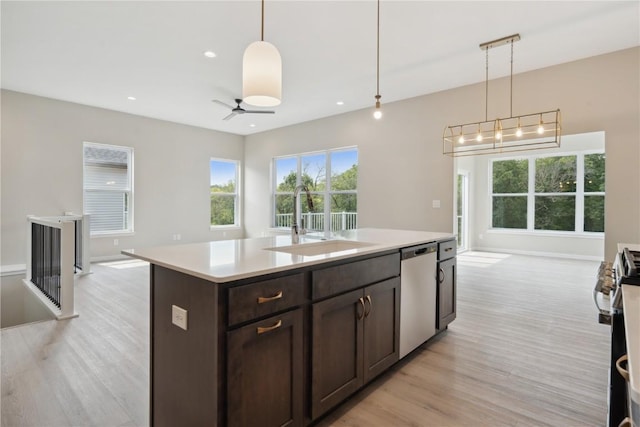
point(46, 260)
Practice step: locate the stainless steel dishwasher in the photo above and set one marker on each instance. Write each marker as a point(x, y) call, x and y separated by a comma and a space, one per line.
point(417, 296)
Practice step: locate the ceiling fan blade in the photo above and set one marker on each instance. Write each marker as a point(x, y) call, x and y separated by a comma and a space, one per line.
point(259, 112)
point(230, 116)
point(223, 104)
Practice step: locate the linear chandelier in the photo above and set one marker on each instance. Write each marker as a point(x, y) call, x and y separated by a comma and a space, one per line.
point(503, 135)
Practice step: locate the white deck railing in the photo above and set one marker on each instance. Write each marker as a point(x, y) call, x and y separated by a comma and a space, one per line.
point(315, 221)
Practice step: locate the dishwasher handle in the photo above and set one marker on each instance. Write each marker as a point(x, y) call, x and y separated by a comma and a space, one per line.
point(415, 251)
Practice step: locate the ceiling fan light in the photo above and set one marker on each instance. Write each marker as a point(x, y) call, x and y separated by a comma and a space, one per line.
point(262, 75)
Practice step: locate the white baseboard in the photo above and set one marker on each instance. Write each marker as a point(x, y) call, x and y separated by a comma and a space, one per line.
point(539, 254)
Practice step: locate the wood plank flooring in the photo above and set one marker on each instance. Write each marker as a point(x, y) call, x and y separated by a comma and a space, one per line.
point(525, 350)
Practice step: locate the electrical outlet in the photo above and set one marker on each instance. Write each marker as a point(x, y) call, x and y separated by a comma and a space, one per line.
point(178, 237)
point(115, 242)
point(179, 317)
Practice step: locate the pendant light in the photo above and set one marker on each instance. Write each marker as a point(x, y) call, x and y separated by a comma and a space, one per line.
point(377, 113)
point(262, 73)
point(506, 134)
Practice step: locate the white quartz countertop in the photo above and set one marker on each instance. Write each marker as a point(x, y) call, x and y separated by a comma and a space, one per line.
point(229, 260)
point(631, 307)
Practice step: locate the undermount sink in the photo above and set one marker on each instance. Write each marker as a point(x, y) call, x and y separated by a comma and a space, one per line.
point(320, 248)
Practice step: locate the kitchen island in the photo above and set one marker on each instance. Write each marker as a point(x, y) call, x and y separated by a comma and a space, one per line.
point(263, 332)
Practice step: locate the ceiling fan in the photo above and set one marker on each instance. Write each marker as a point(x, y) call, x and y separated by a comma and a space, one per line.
point(239, 110)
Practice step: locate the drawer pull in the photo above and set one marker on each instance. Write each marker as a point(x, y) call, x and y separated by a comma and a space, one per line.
point(358, 314)
point(262, 300)
point(621, 370)
point(625, 423)
point(448, 249)
point(366, 312)
point(269, 328)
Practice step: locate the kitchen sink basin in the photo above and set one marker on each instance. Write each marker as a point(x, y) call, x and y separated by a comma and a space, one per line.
point(320, 248)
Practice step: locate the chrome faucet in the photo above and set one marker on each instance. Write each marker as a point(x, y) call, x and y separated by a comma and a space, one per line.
point(295, 232)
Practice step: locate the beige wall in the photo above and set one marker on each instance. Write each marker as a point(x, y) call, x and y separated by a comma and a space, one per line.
point(402, 169)
point(42, 171)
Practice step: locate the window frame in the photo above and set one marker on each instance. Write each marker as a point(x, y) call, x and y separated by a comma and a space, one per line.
point(128, 192)
point(326, 194)
point(531, 195)
point(237, 200)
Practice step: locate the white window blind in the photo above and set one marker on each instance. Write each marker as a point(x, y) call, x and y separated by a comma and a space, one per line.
point(108, 188)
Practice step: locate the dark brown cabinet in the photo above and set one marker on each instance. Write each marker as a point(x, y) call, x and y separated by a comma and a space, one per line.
point(446, 309)
point(265, 372)
point(355, 337)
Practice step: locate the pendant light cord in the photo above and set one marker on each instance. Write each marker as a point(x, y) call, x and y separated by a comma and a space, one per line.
point(378, 54)
point(511, 84)
point(486, 87)
point(262, 25)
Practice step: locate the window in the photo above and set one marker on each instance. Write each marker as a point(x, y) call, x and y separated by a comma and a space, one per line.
point(550, 193)
point(108, 188)
point(224, 192)
point(332, 179)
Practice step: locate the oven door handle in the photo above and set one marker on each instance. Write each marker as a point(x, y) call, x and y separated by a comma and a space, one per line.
point(596, 291)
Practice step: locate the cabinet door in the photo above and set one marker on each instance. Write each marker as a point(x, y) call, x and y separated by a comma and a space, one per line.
point(381, 327)
point(265, 372)
point(446, 292)
point(336, 355)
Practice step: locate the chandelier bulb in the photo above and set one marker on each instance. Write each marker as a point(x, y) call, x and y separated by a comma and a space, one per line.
point(461, 138)
point(377, 113)
point(541, 126)
point(519, 129)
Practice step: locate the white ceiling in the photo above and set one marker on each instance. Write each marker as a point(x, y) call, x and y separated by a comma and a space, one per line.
point(99, 53)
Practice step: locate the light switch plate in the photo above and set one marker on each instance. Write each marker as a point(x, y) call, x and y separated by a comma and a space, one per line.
point(436, 204)
point(179, 317)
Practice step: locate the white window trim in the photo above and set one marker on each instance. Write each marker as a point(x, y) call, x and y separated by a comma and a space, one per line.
point(237, 225)
point(326, 194)
point(130, 220)
point(579, 195)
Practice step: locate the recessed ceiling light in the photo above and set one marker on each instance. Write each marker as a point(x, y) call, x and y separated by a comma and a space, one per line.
point(252, 125)
point(340, 103)
point(131, 98)
point(209, 54)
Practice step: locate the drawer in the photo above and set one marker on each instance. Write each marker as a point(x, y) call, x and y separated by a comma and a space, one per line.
point(447, 249)
point(265, 297)
point(341, 278)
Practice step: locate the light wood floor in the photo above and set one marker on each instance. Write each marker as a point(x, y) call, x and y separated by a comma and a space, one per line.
point(525, 350)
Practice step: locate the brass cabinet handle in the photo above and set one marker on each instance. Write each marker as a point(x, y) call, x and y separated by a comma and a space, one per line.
point(625, 423)
point(621, 370)
point(361, 315)
point(269, 328)
point(366, 312)
point(441, 275)
point(262, 300)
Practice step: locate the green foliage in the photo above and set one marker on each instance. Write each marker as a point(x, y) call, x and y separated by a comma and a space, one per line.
point(556, 174)
point(510, 212)
point(594, 213)
point(347, 180)
point(229, 187)
point(555, 213)
point(594, 172)
point(222, 209)
point(510, 176)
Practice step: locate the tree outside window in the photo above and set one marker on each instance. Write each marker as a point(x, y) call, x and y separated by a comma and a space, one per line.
point(331, 178)
point(548, 193)
point(224, 192)
point(510, 181)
